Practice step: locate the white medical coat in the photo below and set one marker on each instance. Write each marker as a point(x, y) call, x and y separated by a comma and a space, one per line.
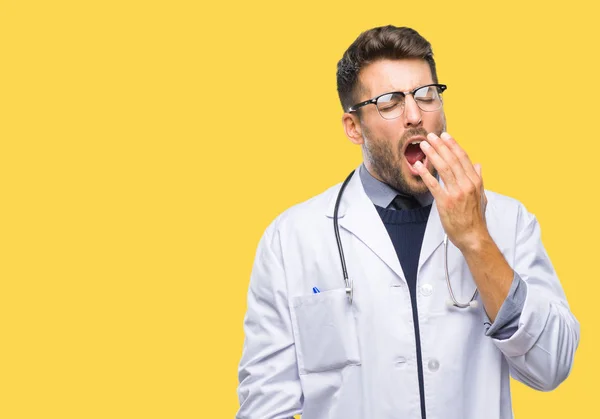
point(321, 356)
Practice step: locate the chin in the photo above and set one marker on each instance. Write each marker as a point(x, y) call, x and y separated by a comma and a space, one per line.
point(418, 187)
point(415, 184)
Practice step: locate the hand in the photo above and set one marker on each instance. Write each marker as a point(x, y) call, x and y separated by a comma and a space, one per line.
point(461, 203)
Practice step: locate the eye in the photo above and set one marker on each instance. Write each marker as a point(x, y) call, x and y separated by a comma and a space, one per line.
point(390, 101)
point(387, 106)
point(426, 93)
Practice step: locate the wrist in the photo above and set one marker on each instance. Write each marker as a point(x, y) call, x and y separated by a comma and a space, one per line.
point(475, 243)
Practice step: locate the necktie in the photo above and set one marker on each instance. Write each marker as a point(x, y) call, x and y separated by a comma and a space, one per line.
point(404, 202)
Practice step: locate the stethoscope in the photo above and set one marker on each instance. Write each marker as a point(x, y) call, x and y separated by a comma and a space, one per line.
point(348, 282)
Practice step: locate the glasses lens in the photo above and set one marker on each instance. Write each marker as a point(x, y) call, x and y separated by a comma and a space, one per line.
point(390, 106)
point(428, 98)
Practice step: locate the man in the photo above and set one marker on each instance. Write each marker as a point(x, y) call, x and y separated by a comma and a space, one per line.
point(384, 343)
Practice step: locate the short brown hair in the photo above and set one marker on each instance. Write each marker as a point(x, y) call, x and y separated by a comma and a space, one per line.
point(384, 42)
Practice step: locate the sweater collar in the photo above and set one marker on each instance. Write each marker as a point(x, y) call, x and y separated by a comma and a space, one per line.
point(382, 194)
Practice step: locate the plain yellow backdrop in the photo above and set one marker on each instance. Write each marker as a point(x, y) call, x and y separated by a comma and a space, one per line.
point(146, 145)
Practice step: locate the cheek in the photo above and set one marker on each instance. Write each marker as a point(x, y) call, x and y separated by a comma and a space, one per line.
point(385, 132)
point(391, 130)
point(435, 123)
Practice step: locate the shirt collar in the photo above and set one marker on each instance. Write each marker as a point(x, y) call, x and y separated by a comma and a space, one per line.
point(382, 194)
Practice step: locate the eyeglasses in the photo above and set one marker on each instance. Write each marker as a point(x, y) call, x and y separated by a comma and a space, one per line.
point(391, 105)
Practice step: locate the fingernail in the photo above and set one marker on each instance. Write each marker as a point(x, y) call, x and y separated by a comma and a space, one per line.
point(425, 144)
point(431, 136)
point(418, 164)
point(445, 135)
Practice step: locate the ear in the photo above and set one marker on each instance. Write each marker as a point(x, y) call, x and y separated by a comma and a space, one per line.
point(352, 128)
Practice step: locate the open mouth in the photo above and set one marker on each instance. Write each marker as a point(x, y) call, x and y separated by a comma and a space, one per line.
point(413, 153)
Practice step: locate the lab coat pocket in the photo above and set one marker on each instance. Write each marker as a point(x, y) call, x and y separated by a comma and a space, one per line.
point(325, 331)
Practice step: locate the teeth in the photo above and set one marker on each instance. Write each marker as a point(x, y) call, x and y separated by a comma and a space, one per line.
point(415, 142)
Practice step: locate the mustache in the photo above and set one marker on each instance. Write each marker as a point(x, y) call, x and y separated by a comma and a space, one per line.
point(409, 133)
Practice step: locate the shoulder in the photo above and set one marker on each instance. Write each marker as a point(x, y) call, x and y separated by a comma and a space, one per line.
point(499, 202)
point(507, 211)
point(306, 215)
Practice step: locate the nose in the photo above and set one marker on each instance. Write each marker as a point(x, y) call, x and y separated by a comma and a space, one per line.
point(412, 112)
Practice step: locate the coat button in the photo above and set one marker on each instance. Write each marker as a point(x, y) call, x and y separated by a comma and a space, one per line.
point(433, 365)
point(426, 289)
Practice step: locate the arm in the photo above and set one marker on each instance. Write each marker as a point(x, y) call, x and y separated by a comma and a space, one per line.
point(269, 385)
point(461, 204)
point(541, 351)
point(492, 274)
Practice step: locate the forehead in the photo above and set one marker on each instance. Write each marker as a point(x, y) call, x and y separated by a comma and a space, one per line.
point(384, 76)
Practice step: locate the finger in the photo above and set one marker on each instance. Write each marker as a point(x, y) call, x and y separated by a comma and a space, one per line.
point(462, 157)
point(440, 164)
point(462, 180)
point(477, 168)
point(432, 184)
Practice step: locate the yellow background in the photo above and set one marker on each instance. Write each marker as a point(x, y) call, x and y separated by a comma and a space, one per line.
point(146, 145)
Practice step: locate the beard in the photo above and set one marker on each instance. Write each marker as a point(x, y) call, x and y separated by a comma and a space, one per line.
point(386, 158)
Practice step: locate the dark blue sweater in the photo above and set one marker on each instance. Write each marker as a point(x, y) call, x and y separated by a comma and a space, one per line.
point(406, 229)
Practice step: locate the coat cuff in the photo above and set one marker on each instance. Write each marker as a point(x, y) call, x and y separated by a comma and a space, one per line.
point(531, 325)
point(507, 320)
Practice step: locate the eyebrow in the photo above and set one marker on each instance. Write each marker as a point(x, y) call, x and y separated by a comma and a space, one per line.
point(409, 90)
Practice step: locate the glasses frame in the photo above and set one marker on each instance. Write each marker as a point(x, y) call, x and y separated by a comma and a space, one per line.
point(441, 89)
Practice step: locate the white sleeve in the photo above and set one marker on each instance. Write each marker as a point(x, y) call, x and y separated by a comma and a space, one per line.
point(540, 353)
point(269, 384)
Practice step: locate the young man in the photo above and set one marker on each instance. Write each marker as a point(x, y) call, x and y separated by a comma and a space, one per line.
point(416, 229)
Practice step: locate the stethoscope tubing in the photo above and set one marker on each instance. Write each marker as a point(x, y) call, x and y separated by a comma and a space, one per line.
point(348, 282)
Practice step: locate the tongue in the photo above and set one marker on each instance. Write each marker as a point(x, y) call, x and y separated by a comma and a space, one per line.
point(414, 153)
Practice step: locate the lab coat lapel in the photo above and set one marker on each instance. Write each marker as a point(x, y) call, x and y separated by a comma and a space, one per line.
point(358, 215)
point(434, 233)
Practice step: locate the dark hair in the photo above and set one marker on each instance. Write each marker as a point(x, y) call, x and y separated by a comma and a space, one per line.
point(385, 42)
